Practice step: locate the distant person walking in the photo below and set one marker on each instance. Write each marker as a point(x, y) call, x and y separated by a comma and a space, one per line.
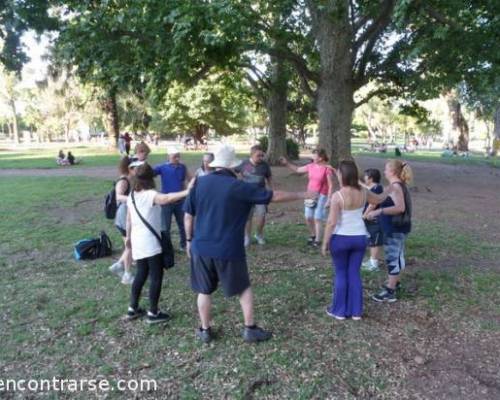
point(174, 177)
point(128, 140)
point(217, 210)
point(121, 145)
point(257, 171)
point(395, 215)
point(346, 238)
point(320, 180)
point(146, 248)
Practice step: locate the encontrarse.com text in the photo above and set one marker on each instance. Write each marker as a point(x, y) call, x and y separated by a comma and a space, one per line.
point(77, 385)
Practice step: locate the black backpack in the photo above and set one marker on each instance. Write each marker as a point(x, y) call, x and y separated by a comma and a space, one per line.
point(90, 249)
point(110, 205)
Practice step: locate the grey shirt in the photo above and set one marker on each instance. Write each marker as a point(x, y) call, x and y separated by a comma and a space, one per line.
point(254, 173)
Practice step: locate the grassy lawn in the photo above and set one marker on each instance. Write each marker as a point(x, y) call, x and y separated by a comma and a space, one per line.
point(433, 156)
point(100, 156)
point(64, 318)
point(92, 157)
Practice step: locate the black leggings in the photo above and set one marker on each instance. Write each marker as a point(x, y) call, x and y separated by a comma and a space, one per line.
point(152, 267)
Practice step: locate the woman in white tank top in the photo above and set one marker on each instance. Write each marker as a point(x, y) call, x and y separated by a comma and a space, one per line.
point(346, 238)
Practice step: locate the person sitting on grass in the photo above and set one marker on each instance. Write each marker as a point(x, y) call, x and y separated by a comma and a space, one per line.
point(346, 238)
point(216, 212)
point(395, 218)
point(61, 159)
point(372, 178)
point(146, 248)
point(72, 160)
point(257, 171)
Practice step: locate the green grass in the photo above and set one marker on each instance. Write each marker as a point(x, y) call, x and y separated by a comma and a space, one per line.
point(62, 318)
point(92, 157)
point(99, 156)
point(433, 156)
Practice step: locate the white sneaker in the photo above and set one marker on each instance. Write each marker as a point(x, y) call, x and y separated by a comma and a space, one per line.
point(370, 265)
point(260, 240)
point(247, 241)
point(117, 268)
point(127, 278)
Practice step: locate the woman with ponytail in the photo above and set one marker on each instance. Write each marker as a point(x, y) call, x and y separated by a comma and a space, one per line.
point(394, 215)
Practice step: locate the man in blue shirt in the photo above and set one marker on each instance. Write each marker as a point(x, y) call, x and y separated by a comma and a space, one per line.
point(217, 210)
point(174, 176)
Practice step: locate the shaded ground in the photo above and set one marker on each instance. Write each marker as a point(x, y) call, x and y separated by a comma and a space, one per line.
point(439, 342)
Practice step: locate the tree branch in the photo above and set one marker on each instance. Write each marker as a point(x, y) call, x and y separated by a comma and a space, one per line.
point(257, 89)
point(377, 26)
point(376, 92)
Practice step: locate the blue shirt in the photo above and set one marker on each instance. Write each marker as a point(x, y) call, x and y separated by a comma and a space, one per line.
point(173, 177)
point(221, 204)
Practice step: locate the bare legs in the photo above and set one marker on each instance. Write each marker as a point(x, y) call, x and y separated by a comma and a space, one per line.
point(205, 307)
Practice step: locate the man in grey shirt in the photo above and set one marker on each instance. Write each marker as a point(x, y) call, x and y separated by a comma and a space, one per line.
point(256, 170)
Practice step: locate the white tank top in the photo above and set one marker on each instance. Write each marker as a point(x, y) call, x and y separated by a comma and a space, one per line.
point(350, 222)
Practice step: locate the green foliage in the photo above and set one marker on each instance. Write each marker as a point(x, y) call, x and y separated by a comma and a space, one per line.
point(292, 147)
point(220, 102)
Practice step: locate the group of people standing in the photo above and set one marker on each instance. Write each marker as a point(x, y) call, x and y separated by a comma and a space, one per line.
point(214, 211)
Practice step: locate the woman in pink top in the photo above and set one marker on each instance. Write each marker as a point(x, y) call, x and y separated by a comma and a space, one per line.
point(320, 180)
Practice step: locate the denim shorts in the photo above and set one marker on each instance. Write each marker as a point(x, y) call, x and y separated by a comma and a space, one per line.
point(376, 234)
point(318, 212)
point(394, 250)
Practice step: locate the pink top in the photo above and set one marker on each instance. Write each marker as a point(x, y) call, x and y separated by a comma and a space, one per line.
point(318, 181)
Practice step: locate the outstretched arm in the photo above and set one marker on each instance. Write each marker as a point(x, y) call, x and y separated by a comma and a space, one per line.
point(293, 167)
point(280, 196)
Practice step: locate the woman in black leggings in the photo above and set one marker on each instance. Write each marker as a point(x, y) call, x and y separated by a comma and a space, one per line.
point(145, 202)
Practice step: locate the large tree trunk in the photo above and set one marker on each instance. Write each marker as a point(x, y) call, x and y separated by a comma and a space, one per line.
point(277, 111)
point(336, 90)
point(496, 123)
point(459, 125)
point(200, 132)
point(111, 110)
point(15, 124)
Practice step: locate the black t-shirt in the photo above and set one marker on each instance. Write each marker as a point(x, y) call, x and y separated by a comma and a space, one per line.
point(254, 173)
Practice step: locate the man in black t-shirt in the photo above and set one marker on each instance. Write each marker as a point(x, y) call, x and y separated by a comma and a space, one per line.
point(256, 170)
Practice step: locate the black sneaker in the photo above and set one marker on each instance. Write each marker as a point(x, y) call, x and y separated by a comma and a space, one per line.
point(316, 244)
point(134, 314)
point(311, 240)
point(385, 295)
point(157, 318)
point(205, 335)
point(255, 334)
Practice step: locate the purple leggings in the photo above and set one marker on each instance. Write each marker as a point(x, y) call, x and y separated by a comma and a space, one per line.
point(347, 253)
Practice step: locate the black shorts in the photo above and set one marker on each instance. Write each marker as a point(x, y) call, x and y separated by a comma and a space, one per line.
point(122, 231)
point(376, 234)
point(206, 272)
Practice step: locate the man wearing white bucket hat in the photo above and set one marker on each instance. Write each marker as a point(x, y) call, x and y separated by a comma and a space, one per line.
point(216, 212)
point(174, 177)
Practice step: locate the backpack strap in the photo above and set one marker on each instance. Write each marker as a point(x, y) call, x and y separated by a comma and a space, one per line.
point(146, 223)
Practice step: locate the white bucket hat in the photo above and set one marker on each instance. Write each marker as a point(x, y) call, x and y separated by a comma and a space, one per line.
point(173, 150)
point(225, 157)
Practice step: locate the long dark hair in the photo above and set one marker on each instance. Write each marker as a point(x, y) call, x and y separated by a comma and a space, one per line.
point(349, 174)
point(144, 178)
